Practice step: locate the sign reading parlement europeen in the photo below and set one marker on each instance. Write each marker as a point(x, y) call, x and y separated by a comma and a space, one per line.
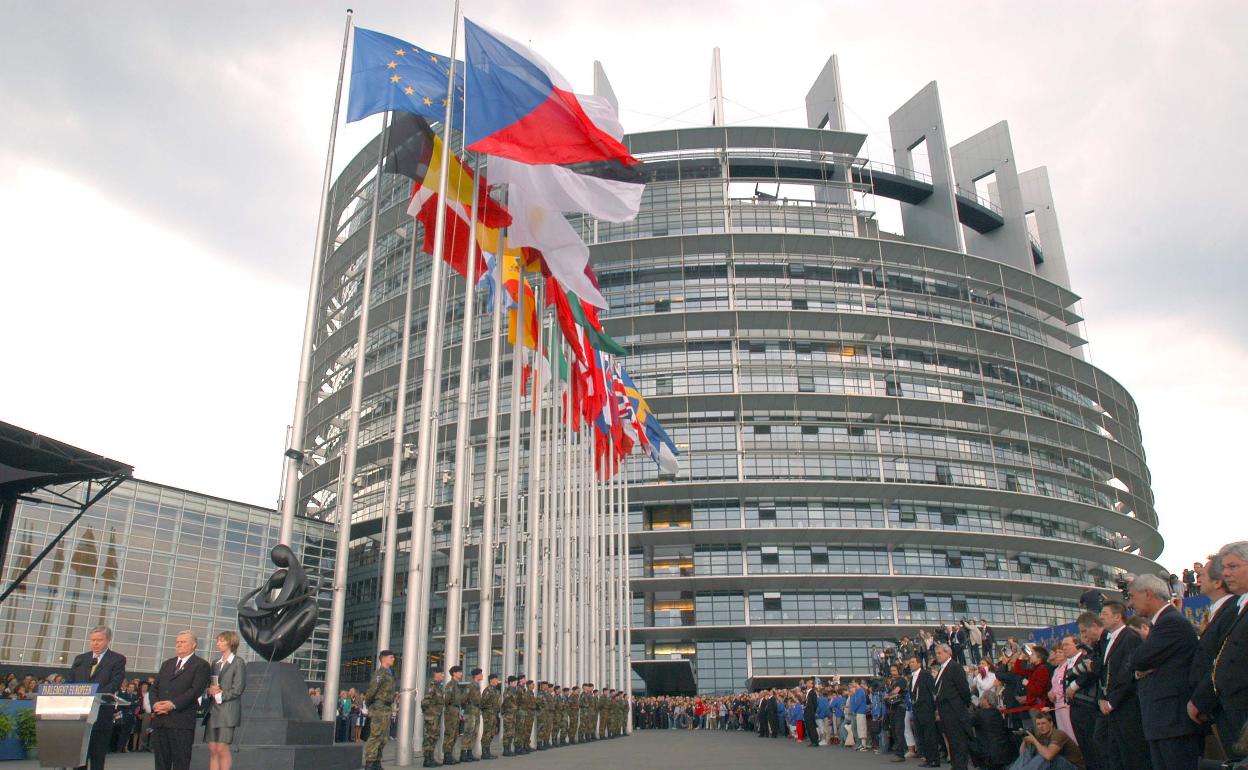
point(67, 689)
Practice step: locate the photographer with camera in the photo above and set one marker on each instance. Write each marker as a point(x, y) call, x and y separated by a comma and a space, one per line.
point(1048, 748)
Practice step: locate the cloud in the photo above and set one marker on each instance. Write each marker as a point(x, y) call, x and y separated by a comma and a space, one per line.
point(203, 129)
point(132, 340)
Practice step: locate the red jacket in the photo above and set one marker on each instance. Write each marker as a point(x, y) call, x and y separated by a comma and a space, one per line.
point(1038, 682)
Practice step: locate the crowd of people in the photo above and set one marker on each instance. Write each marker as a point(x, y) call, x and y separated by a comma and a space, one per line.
point(1137, 687)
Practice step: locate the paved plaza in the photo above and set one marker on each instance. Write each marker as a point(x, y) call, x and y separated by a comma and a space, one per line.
point(646, 749)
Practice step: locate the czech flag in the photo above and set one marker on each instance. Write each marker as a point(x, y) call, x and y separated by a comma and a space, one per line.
point(523, 109)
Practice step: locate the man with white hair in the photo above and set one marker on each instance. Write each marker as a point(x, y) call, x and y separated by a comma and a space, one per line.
point(953, 698)
point(1162, 664)
point(175, 698)
point(1229, 677)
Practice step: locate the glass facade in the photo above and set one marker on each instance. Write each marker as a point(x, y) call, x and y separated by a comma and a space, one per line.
point(148, 561)
point(876, 433)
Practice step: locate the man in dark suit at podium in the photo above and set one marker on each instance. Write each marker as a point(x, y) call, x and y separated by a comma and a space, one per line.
point(175, 698)
point(101, 666)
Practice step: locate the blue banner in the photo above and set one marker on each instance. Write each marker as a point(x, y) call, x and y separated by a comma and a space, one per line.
point(1193, 609)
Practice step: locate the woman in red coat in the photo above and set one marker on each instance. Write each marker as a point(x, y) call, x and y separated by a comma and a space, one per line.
point(1036, 677)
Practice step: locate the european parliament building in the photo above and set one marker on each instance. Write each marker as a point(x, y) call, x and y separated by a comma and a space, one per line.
point(879, 430)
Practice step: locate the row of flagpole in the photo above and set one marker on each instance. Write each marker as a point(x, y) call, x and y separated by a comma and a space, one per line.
point(566, 531)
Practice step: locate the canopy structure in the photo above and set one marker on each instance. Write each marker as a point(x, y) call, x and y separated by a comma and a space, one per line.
point(36, 468)
point(674, 676)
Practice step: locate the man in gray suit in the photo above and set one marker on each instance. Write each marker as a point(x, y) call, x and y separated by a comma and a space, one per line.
point(229, 680)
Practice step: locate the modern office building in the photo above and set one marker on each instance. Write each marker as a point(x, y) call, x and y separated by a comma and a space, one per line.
point(149, 561)
point(880, 430)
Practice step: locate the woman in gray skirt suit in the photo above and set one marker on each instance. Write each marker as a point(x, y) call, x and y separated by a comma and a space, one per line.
point(229, 679)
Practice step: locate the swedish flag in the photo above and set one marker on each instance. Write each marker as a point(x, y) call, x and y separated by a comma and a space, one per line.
point(392, 74)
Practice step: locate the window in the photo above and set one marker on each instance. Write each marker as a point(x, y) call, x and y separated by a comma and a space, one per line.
point(663, 386)
point(818, 554)
point(918, 603)
point(1024, 565)
point(810, 430)
point(770, 554)
point(945, 476)
point(772, 602)
point(766, 514)
point(992, 564)
point(662, 305)
point(907, 516)
point(947, 517)
point(959, 603)
point(803, 348)
point(805, 383)
point(800, 304)
point(954, 559)
point(890, 387)
point(871, 602)
point(762, 430)
point(919, 160)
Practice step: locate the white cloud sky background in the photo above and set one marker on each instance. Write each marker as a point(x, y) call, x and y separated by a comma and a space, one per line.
point(160, 171)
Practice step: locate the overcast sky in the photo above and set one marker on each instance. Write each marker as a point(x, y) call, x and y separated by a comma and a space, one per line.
point(160, 169)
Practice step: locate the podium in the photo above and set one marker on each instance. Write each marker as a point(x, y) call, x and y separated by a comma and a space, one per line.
point(64, 716)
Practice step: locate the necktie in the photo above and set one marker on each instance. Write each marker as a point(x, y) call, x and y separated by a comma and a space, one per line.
point(95, 663)
point(178, 668)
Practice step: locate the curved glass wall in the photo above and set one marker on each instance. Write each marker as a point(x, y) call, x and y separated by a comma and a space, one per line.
point(861, 417)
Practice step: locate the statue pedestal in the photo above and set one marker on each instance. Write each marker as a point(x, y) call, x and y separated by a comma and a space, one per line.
point(281, 729)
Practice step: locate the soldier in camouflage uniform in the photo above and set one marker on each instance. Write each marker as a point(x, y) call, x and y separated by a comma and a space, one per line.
point(511, 715)
point(574, 715)
point(620, 707)
point(491, 704)
point(587, 713)
point(472, 715)
point(602, 713)
point(431, 705)
point(379, 698)
point(530, 716)
point(561, 717)
point(565, 717)
point(451, 715)
point(541, 716)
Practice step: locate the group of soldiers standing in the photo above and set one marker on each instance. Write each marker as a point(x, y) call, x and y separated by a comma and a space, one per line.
point(534, 715)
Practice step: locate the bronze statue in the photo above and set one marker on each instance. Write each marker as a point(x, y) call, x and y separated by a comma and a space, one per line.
point(276, 626)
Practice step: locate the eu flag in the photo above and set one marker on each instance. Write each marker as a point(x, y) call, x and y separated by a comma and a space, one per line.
point(392, 74)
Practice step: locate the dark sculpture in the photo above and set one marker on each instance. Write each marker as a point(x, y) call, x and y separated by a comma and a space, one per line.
point(276, 625)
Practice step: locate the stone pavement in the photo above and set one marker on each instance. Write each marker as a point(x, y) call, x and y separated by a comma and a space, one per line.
point(646, 749)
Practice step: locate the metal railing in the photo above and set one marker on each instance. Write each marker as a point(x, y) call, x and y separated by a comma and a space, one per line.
point(974, 197)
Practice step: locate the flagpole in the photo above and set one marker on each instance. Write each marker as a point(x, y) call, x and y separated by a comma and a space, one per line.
point(295, 455)
point(461, 517)
point(591, 490)
point(485, 634)
point(612, 576)
point(533, 510)
point(547, 555)
point(391, 516)
point(621, 602)
point(628, 617)
point(346, 474)
point(595, 627)
point(414, 667)
point(513, 477)
point(565, 532)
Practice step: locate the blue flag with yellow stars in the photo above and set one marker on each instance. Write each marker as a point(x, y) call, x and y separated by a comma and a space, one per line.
point(392, 74)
